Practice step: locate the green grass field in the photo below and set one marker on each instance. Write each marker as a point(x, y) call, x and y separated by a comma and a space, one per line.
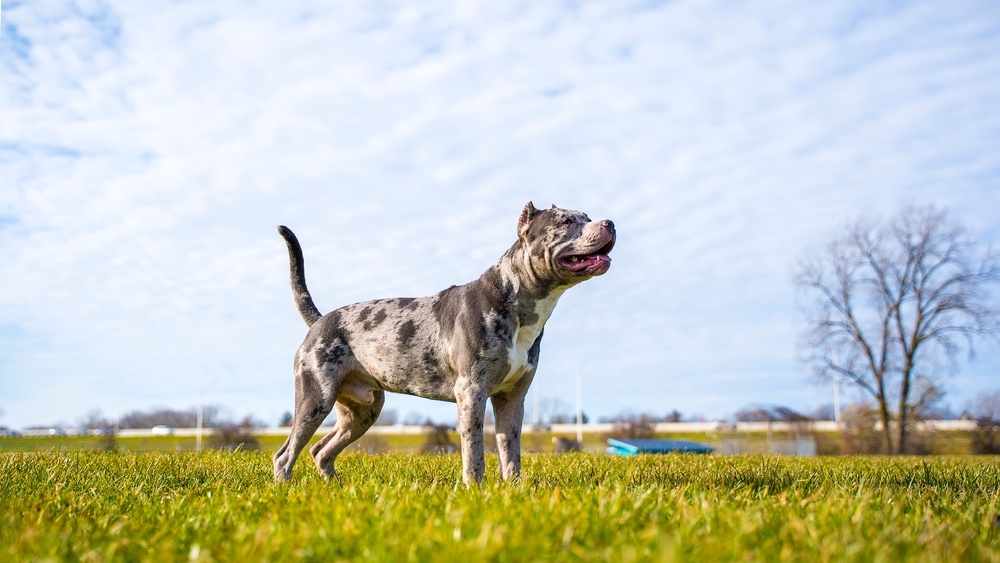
point(827, 443)
point(225, 507)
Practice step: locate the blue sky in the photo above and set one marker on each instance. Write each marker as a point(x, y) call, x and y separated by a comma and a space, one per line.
point(147, 150)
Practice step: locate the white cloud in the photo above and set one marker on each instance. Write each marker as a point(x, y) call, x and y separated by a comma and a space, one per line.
point(148, 151)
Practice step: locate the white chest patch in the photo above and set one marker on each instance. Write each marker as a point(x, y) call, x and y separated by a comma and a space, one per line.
point(525, 337)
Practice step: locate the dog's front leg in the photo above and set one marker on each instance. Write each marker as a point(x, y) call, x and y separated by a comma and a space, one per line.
point(508, 408)
point(471, 413)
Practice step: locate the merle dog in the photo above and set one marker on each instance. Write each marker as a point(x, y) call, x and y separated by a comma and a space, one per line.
point(466, 344)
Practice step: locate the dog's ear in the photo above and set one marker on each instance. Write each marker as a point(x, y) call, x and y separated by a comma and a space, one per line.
point(526, 216)
point(554, 206)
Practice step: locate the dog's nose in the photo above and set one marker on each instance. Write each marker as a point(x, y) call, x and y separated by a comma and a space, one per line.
point(609, 225)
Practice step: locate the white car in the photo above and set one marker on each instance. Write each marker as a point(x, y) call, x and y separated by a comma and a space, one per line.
point(161, 430)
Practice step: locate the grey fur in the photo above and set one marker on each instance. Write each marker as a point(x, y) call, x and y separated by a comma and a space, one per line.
point(467, 344)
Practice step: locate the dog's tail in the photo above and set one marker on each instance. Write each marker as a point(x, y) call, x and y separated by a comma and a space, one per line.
point(296, 265)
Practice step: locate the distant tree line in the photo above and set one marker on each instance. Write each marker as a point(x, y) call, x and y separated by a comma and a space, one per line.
point(225, 432)
point(213, 416)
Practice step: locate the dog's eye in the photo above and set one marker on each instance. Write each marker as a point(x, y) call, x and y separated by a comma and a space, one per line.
point(569, 221)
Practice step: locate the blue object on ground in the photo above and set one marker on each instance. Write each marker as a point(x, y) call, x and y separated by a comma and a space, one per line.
point(635, 447)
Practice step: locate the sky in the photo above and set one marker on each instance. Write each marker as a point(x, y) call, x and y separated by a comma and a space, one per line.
point(149, 149)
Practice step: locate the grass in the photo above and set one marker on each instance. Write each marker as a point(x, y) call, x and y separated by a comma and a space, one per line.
point(225, 507)
point(827, 443)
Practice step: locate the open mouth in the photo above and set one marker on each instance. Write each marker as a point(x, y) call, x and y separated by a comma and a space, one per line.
point(588, 262)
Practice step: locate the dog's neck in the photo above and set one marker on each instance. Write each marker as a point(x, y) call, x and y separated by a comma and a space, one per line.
point(523, 289)
point(517, 270)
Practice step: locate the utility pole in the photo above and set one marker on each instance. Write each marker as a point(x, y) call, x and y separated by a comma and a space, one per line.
point(534, 400)
point(579, 411)
point(201, 408)
point(836, 390)
point(118, 415)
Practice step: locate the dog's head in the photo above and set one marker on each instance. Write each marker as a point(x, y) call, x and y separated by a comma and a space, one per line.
point(565, 246)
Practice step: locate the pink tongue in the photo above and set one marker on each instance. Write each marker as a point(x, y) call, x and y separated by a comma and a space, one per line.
point(597, 259)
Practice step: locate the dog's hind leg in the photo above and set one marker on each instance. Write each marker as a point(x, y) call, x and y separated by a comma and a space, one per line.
point(354, 418)
point(313, 402)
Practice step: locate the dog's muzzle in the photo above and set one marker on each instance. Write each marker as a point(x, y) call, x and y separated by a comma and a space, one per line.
point(597, 261)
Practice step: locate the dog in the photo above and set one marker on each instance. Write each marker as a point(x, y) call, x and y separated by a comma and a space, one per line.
point(467, 344)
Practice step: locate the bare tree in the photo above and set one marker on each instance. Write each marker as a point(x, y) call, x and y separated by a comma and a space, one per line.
point(438, 439)
point(556, 411)
point(891, 306)
point(631, 425)
point(95, 420)
point(235, 436)
point(770, 413)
